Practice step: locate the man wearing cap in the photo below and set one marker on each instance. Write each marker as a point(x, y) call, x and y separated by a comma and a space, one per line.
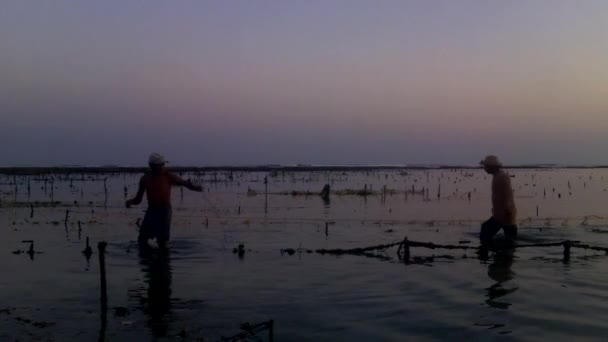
point(504, 212)
point(157, 184)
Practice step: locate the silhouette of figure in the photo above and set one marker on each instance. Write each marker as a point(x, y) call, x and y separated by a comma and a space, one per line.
point(157, 185)
point(504, 212)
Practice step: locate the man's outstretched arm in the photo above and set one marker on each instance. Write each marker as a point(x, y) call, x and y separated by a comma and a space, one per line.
point(176, 180)
point(140, 194)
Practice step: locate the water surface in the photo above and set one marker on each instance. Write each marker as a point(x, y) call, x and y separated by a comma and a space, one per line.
point(200, 289)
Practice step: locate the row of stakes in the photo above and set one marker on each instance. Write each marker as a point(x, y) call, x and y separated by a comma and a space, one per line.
point(87, 252)
point(404, 248)
point(240, 250)
point(247, 329)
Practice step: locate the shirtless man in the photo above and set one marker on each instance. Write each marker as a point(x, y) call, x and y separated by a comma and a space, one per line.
point(504, 212)
point(157, 185)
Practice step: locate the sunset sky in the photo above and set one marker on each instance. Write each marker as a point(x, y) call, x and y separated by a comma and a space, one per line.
point(318, 82)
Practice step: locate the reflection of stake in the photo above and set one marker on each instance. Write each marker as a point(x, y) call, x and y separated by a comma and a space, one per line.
point(104, 296)
point(87, 251)
point(102, 271)
point(271, 330)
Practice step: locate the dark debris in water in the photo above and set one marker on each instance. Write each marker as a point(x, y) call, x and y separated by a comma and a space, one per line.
point(289, 251)
point(240, 250)
point(40, 324)
point(6, 311)
point(120, 311)
point(490, 326)
point(599, 231)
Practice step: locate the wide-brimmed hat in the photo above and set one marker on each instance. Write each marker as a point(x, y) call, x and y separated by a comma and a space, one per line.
point(156, 159)
point(491, 161)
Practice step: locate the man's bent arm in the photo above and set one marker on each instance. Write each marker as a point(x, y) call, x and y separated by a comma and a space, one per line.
point(176, 180)
point(140, 194)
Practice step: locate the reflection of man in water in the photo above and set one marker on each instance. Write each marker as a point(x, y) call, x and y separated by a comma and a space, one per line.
point(157, 304)
point(504, 212)
point(157, 185)
point(500, 271)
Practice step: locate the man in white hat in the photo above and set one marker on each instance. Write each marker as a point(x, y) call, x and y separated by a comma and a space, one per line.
point(504, 212)
point(157, 185)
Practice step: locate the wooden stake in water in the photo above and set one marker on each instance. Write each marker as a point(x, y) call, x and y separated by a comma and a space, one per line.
point(567, 245)
point(67, 215)
point(105, 191)
point(404, 250)
point(266, 194)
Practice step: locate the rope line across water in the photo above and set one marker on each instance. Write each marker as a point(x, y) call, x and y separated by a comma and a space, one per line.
point(406, 244)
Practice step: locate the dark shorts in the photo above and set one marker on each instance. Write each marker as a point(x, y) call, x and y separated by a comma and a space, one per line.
point(491, 227)
point(156, 225)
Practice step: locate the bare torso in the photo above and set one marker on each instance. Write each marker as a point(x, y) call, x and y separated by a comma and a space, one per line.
point(503, 203)
point(158, 189)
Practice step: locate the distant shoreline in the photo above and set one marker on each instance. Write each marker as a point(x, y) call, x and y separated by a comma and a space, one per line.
point(264, 168)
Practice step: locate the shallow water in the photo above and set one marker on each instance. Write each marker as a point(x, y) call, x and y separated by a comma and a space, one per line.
point(201, 289)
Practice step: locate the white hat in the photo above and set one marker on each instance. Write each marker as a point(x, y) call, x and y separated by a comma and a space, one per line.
point(491, 161)
point(156, 159)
